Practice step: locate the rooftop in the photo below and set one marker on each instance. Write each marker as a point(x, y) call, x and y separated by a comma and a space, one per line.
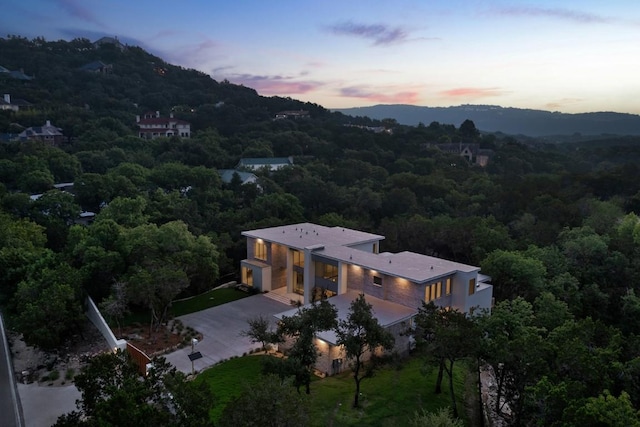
point(414, 267)
point(303, 235)
point(387, 312)
point(266, 161)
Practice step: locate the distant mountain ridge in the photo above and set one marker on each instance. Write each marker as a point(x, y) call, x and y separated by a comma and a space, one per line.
point(514, 121)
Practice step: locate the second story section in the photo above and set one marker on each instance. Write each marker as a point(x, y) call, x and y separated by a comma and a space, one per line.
point(152, 126)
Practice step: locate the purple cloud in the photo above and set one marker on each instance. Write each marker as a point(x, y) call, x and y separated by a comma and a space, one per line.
point(75, 9)
point(380, 34)
point(566, 14)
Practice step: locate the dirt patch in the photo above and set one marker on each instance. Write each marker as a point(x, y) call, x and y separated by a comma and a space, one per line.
point(58, 367)
point(155, 343)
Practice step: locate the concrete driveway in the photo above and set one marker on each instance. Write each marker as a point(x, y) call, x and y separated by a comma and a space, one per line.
point(221, 327)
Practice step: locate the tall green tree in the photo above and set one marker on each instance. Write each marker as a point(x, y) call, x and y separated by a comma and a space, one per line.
point(302, 328)
point(446, 336)
point(361, 335)
point(512, 345)
point(113, 393)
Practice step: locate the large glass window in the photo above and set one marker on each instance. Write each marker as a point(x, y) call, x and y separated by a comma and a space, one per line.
point(298, 258)
point(298, 282)
point(327, 271)
point(472, 286)
point(447, 290)
point(247, 276)
point(260, 250)
point(433, 291)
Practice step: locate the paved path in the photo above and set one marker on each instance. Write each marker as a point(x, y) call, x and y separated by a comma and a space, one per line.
point(221, 327)
point(10, 414)
point(42, 405)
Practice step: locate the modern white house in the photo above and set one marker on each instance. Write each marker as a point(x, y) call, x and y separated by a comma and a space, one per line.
point(308, 262)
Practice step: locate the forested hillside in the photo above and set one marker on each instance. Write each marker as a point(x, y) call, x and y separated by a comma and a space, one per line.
point(554, 225)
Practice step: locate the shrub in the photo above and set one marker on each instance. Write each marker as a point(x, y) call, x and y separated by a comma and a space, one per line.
point(69, 374)
point(54, 375)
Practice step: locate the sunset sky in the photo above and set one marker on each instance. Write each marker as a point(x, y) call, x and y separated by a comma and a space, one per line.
point(561, 55)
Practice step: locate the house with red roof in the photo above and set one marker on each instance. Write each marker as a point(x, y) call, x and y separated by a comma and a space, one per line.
point(152, 125)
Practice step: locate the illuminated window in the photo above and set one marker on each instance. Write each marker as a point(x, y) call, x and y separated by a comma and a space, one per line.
point(447, 289)
point(327, 271)
point(247, 276)
point(377, 280)
point(472, 286)
point(376, 248)
point(433, 291)
point(260, 250)
point(298, 258)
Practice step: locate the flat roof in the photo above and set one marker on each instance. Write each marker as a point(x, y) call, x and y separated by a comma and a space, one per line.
point(388, 313)
point(303, 235)
point(407, 265)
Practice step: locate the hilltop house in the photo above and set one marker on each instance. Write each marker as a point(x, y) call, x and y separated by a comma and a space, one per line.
point(472, 152)
point(47, 133)
point(271, 163)
point(98, 67)
point(308, 262)
point(6, 103)
point(245, 177)
point(292, 114)
point(152, 126)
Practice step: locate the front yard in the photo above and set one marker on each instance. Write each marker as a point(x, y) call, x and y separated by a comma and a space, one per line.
point(390, 398)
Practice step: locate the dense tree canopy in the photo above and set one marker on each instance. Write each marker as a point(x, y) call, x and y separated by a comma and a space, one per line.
point(554, 223)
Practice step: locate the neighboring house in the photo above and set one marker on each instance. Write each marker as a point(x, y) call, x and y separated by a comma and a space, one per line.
point(19, 75)
point(472, 152)
point(374, 129)
point(152, 126)
point(47, 133)
point(97, 67)
point(271, 163)
point(108, 41)
point(313, 261)
point(245, 177)
point(6, 103)
point(295, 114)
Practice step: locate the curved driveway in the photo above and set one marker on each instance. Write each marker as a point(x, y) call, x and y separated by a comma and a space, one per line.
point(221, 327)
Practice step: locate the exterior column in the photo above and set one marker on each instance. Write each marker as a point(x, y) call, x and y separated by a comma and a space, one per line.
point(342, 278)
point(289, 272)
point(309, 273)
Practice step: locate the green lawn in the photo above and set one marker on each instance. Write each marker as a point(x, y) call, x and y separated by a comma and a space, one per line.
point(390, 398)
point(199, 302)
point(227, 379)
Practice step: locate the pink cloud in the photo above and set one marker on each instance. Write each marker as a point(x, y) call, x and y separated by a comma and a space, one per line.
point(403, 97)
point(472, 92)
point(275, 85)
point(562, 103)
point(77, 10)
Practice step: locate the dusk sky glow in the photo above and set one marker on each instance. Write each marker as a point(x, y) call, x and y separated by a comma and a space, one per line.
point(563, 55)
